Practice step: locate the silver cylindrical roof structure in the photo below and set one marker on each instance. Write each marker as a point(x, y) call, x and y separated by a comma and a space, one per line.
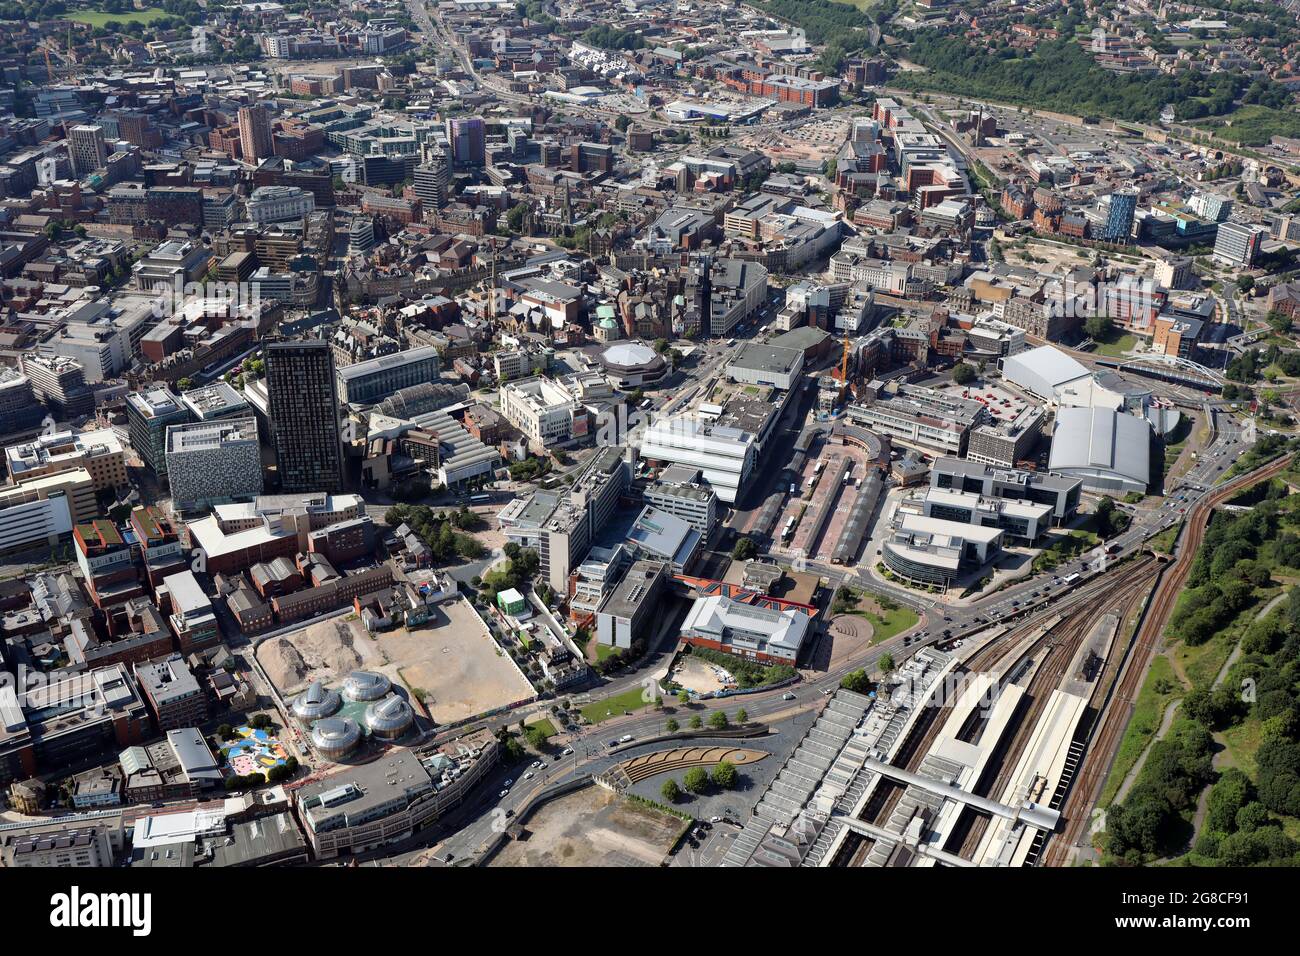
point(390, 717)
point(366, 685)
point(316, 702)
point(335, 737)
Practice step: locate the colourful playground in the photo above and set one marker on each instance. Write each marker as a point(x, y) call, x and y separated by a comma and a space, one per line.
point(255, 752)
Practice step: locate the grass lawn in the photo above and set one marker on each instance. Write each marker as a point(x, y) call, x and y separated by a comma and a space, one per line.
point(883, 626)
point(614, 706)
point(97, 18)
point(1116, 344)
point(1202, 664)
point(893, 622)
point(1160, 687)
point(604, 650)
point(1242, 742)
point(544, 725)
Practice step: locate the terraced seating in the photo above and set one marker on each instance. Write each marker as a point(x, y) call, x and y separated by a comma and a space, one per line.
point(684, 758)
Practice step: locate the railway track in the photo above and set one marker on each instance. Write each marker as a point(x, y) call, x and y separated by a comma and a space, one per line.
point(1102, 739)
point(1063, 639)
point(1063, 643)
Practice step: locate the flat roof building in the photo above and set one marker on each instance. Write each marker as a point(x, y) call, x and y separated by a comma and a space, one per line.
point(214, 462)
point(98, 452)
point(924, 418)
point(149, 413)
point(377, 803)
point(725, 456)
point(761, 634)
point(217, 400)
point(630, 607)
point(760, 364)
point(1058, 491)
point(372, 381)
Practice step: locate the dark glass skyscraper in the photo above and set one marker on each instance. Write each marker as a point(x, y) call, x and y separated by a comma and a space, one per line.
point(1119, 217)
point(304, 409)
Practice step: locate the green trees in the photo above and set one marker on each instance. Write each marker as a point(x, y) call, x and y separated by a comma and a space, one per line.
point(744, 550)
point(1059, 75)
point(1278, 775)
point(612, 38)
point(1177, 769)
point(1216, 709)
point(963, 374)
point(1232, 792)
point(1098, 327)
point(696, 722)
point(438, 529)
point(856, 681)
point(516, 216)
point(742, 716)
point(845, 600)
point(522, 565)
point(672, 726)
point(512, 750)
point(536, 737)
point(886, 663)
point(1108, 519)
point(1239, 830)
point(696, 780)
point(823, 21)
point(683, 697)
point(670, 791)
point(725, 776)
point(718, 720)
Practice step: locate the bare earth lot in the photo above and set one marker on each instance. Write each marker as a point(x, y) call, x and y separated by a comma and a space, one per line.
point(592, 828)
point(452, 659)
point(326, 651)
point(455, 663)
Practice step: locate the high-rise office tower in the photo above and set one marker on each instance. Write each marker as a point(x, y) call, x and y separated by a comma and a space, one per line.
point(1237, 244)
point(430, 183)
point(1119, 219)
point(255, 133)
point(303, 407)
point(467, 139)
point(86, 149)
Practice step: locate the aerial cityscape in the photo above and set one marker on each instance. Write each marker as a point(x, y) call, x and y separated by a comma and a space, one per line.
point(649, 433)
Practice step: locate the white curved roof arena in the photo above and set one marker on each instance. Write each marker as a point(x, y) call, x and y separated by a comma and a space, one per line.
point(1042, 371)
point(629, 354)
point(1107, 450)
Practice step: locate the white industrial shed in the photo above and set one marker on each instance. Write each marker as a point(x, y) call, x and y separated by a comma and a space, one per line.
point(1108, 451)
point(1042, 371)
